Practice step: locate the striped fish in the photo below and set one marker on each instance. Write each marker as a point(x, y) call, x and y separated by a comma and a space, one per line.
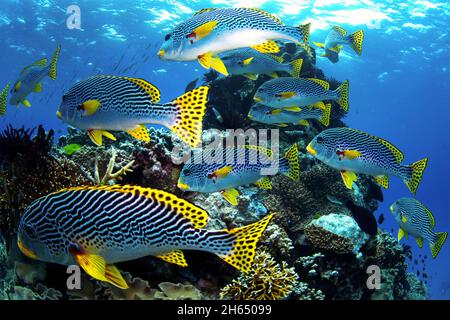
point(237, 166)
point(211, 31)
point(289, 91)
point(101, 104)
point(3, 100)
point(338, 37)
point(30, 79)
point(352, 151)
point(264, 114)
point(415, 219)
point(250, 63)
point(96, 227)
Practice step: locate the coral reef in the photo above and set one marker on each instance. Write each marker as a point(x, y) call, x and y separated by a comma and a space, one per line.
point(267, 281)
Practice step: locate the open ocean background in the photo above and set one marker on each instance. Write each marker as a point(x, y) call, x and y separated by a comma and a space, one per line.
point(399, 88)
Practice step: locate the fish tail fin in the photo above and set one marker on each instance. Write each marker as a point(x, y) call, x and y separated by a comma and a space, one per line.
point(52, 72)
point(342, 92)
point(3, 100)
point(296, 67)
point(293, 165)
point(437, 245)
point(356, 40)
point(240, 252)
point(326, 112)
point(414, 174)
point(191, 109)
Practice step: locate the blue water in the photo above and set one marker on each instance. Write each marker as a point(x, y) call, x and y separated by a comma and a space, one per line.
point(399, 87)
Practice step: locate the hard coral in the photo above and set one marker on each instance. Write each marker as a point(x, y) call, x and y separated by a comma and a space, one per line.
point(266, 281)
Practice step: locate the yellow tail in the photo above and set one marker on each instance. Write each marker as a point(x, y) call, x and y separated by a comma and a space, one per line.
point(440, 240)
point(296, 67)
point(243, 251)
point(189, 121)
point(414, 179)
point(356, 41)
point(3, 100)
point(52, 72)
point(294, 166)
point(342, 92)
point(326, 112)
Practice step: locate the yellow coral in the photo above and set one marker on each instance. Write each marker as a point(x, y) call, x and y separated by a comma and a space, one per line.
point(267, 281)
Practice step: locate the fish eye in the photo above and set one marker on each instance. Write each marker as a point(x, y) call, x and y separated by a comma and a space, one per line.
point(319, 139)
point(64, 97)
point(167, 37)
point(187, 172)
point(29, 230)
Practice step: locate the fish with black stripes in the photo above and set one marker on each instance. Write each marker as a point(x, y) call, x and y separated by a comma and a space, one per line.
point(264, 114)
point(250, 63)
point(417, 220)
point(98, 226)
point(30, 79)
point(337, 38)
point(290, 92)
point(215, 30)
point(352, 151)
point(101, 104)
point(222, 170)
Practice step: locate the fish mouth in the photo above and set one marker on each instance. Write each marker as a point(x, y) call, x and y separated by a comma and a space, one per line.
point(250, 116)
point(311, 150)
point(27, 252)
point(161, 53)
point(257, 99)
point(392, 208)
point(182, 186)
point(59, 115)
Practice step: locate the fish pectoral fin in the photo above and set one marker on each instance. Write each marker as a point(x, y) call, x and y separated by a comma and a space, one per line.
point(204, 30)
point(286, 95)
point(208, 60)
point(94, 265)
point(175, 257)
point(401, 233)
point(276, 111)
point(349, 177)
point(319, 44)
point(282, 125)
point(223, 172)
point(231, 196)
point(26, 103)
point(264, 183)
point(113, 276)
point(274, 75)
point(38, 87)
point(267, 47)
point(350, 154)
point(250, 76)
point(246, 62)
point(97, 136)
point(293, 109)
point(419, 242)
point(140, 133)
point(303, 122)
point(383, 181)
point(90, 107)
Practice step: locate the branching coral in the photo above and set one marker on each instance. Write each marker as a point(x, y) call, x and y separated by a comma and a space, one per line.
point(109, 176)
point(267, 281)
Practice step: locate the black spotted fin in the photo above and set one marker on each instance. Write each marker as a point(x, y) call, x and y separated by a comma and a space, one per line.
point(3, 95)
point(140, 133)
point(175, 257)
point(264, 183)
point(269, 46)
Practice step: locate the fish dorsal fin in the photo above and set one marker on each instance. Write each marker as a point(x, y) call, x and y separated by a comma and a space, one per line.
point(340, 30)
point(39, 63)
point(432, 221)
point(150, 89)
point(279, 59)
point(204, 10)
point(320, 82)
point(267, 14)
point(197, 216)
point(395, 151)
point(268, 152)
point(175, 257)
